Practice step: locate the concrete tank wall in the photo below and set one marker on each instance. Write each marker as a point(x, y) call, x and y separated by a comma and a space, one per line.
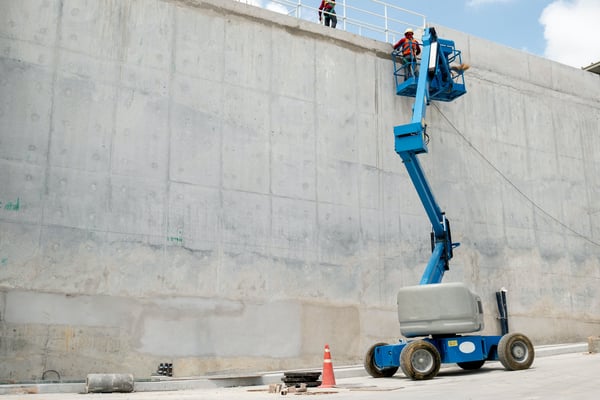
point(214, 185)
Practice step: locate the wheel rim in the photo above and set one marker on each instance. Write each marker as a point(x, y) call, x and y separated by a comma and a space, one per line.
point(519, 352)
point(422, 361)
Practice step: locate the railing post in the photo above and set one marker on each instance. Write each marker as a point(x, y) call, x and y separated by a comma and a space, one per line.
point(385, 19)
point(348, 12)
point(344, 11)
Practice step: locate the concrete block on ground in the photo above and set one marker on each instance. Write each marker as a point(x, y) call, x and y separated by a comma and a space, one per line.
point(594, 344)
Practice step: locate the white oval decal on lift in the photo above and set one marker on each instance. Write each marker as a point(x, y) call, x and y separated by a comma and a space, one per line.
point(466, 347)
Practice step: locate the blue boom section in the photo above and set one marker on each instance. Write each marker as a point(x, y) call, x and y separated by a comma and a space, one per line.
point(431, 79)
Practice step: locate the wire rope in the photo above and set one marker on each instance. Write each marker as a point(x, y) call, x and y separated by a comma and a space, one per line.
point(511, 183)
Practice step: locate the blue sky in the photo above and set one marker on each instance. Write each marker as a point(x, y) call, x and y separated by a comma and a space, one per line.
point(515, 24)
point(540, 27)
point(567, 31)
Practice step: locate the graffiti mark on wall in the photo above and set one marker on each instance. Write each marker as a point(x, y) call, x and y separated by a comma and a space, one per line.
point(176, 239)
point(11, 205)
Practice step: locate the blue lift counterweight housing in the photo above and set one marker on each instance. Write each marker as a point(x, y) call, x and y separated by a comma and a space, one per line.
point(436, 311)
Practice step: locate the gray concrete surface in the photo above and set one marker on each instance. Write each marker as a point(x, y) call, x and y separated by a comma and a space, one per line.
point(214, 185)
point(559, 371)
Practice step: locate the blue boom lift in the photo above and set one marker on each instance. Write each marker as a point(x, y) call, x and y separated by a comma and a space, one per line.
point(434, 315)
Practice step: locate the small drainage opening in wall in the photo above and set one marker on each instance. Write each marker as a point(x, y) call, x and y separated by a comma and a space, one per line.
point(165, 369)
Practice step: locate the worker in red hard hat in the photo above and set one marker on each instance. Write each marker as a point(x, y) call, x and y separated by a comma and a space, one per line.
point(409, 49)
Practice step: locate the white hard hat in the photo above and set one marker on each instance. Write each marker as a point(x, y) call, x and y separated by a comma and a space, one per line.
point(409, 30)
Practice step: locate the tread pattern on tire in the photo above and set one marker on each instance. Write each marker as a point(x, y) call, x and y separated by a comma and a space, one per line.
point(406, 360)
point(505, 351)
point(373, 369)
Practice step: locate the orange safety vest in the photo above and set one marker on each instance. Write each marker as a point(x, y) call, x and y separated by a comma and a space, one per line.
point(409, 46)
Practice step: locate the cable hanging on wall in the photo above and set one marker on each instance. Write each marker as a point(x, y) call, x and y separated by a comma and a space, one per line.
point(512, 184)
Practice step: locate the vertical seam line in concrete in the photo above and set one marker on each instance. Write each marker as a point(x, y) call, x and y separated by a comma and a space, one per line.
point(57, 44)
point(496, 136)
point(586, 235)
point(221, 212)
point(115, 110)
point(378, 149)
point(270, 143)
point(316, 149)
point(172, 71)
point(357, 137)
point(528, 162)
point(589, 196)
point(121, 21)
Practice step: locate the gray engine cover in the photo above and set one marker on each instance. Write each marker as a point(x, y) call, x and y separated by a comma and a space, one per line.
point(438, 309)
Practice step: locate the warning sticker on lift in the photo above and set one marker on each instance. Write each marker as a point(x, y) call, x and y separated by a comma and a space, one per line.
point(452, 343)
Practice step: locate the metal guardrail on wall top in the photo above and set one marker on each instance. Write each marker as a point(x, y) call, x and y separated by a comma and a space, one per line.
point(369, 18)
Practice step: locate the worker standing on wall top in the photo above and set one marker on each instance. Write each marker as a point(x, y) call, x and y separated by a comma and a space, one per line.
point(409, 49)
point(327, 7)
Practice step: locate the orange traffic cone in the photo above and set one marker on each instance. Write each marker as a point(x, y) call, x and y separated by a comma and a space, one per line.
point(328, 377)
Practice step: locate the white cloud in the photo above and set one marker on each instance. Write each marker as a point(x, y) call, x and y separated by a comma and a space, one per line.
point(277, 8)
point(270, 6)
point(255, 3)
point(571, 30)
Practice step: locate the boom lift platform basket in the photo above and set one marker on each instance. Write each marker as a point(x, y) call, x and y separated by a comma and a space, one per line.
point(445, 84)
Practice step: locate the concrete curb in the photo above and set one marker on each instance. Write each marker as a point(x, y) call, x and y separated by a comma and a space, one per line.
point(556, 349)
point(219, 381)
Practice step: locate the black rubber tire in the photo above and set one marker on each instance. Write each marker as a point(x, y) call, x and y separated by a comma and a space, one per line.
point(372, 369)
point(471, 365)
point(420, 360)
point(515, 351)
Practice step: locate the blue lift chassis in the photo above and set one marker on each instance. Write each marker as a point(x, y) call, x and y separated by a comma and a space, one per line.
point(435, 79)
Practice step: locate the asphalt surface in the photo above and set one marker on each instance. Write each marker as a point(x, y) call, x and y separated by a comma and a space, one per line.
point(572, 373)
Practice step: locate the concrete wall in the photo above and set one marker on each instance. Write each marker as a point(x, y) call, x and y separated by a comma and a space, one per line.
point(214, 185)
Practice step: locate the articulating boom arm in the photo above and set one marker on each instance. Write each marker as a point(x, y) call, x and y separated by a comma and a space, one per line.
point(436, 81)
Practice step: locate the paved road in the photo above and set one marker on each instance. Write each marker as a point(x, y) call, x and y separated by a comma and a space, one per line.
point(565, 376)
